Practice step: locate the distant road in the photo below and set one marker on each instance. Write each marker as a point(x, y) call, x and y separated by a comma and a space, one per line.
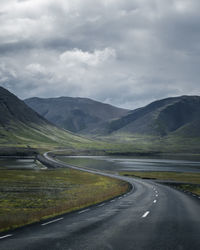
point(151, 217)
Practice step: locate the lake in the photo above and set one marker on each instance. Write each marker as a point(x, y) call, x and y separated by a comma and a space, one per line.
point(108, 163)
point(13, 163)
point(114, 164)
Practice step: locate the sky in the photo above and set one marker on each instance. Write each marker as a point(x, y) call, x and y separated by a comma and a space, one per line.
point(124, 52)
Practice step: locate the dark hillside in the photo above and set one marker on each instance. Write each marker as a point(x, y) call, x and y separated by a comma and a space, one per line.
point(75, 114)
point(160, 118)
point(13, 109)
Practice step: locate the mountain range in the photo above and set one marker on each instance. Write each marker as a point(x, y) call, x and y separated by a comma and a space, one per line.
point(178, 115)
point(22, 126)
point(175, 115)
point(167, 125)
point(80, 115)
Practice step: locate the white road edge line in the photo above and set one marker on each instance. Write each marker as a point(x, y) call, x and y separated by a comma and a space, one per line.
point(145, 214)
point(5, 236)
point(83, 211)
point(52, 221)
point(154, 201)
point(101, 205)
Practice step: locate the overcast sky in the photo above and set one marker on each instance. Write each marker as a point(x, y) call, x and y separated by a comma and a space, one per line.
point(124, 52)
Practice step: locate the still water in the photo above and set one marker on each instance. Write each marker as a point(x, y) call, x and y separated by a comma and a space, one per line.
point(113, 164)
point(132, 164)
point(13, 163)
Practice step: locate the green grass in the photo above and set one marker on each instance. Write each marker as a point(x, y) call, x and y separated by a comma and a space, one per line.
point(193, 179)
point(137, 143)
point(192, 188)
point(46, 137)
point(173, 176)
point(39, 136)
point(28, 196)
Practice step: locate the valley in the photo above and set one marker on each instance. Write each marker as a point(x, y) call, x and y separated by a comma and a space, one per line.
point(96, 156)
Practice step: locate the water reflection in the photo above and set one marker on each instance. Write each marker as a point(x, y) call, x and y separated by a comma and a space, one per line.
point(133, 164)
point(13, 163)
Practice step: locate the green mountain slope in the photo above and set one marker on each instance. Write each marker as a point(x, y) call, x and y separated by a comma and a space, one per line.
point(78, 115)
point(171, 116)
point(171, 125)
point(23, 127)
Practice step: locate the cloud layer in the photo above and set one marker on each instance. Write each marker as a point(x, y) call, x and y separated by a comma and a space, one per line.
point(127, 53)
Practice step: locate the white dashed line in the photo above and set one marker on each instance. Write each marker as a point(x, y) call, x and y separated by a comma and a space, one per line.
point(83, 211)
point(145, 214)
point(52, 221)
point(119, 198)
point(154, 201)
point(112, 200)
point(5, 236)
point(156, 195)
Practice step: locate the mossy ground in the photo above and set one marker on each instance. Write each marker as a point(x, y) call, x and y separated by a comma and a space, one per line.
point(173, 176)
point(137, 143)
point(191, 188)
point(193, 179)
point(28, 196)
point(47, 137)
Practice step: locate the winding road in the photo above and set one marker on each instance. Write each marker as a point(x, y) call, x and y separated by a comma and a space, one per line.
point(151, 217)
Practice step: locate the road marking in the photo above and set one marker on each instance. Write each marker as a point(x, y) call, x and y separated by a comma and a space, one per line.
point(52, 221)
point(156, 195)
point(112, 200)
point(119, 198)
point(154, 201)
point(83, 211)
point(101, 205)
point(5, 236)
point(145, 214)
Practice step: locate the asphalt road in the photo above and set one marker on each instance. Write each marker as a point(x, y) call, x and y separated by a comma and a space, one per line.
point(151, 217)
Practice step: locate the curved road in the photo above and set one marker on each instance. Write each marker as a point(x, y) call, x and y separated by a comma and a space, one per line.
point(151, 217)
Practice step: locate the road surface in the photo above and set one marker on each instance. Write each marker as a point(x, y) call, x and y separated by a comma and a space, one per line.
point(151, 217)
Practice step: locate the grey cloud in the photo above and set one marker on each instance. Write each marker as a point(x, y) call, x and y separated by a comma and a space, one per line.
point(156, 47)
point(15, 47)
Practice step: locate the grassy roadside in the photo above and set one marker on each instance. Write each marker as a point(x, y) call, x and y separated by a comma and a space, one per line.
point(192, 180)
point(28, 196)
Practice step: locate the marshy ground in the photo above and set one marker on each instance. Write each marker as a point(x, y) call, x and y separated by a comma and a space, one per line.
point(28, 196)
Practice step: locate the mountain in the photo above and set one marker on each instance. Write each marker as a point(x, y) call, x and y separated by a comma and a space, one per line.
point(170, 125)
point(75, 114)
point(21, 126)
point(14, 110)
point(170, 116)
